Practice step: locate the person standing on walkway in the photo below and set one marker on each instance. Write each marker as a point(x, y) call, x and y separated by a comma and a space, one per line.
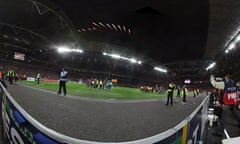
point(178, 91)
point(38, 77)
point(62, 82)
point(11, 75)
point(184, 93)
point(194, 93)
point(170, 90)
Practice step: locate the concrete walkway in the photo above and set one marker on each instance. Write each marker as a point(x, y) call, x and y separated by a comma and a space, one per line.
point(106, 121)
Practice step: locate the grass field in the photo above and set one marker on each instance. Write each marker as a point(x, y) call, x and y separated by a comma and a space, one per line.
point(84, 91)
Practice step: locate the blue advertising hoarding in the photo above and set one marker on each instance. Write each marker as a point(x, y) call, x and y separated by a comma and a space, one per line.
point(19, 131)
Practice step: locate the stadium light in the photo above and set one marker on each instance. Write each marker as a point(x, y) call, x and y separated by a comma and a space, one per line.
point(117, 56)
point(160, 69)
point(104, 53)
point(77, 50)
point(125, 58)
point(226, 51)
point(211, 66)
point(132, 60)
point(64, 49)
point(238, 38)
point(231, 46)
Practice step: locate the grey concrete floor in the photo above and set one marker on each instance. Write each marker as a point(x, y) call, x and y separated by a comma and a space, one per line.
point(102, 120)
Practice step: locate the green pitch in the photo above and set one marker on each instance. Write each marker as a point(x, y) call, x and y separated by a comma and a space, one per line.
point(84, 91)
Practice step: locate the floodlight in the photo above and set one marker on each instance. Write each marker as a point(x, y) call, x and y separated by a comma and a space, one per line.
point(114, 27)
point(124, 28)
point(77, 50)
point(129, 31)
point(238, 38)
point(211, 66)
point(226, 51)
point(160, 69)
point(104, 53)
point(132, 60)
point(116, 56)
point(63, 49)
point(94, 23)
point(231, 46)
point(125, 58)
point(119, 27)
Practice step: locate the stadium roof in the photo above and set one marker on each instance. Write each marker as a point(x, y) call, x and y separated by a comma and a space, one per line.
point(168, 32)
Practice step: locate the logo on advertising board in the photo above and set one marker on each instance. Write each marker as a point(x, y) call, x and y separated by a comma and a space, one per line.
point(195, 128)
point(19, 131)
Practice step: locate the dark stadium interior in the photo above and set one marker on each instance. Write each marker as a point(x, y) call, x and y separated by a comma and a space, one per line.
point(183, 36)
point(168, 34)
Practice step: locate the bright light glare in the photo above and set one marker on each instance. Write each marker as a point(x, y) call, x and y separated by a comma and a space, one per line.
point(116, 56)
point(125, 58)
point(66, 49)
point(238, 38)
point(104, 53)
point(132, 60)
point(160, 69)
point(211, 66)
point(226, 51)
point(63, 49)
point(77, 50)
point(231, 46)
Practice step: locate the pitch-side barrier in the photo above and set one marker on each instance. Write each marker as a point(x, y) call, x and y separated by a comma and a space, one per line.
point(19, 127)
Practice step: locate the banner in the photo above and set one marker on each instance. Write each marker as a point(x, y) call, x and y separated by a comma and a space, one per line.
point(19, 131)
point(197, 125)
point(30, 79)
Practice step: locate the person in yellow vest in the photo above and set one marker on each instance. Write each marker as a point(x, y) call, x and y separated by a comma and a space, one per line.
point(100, 84)
point(198, 91)
point(170, 91)
point(11, 76)
point(184, 93)
point(92, 83)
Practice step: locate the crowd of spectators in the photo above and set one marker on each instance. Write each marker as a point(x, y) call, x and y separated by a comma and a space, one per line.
point(93, 79)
